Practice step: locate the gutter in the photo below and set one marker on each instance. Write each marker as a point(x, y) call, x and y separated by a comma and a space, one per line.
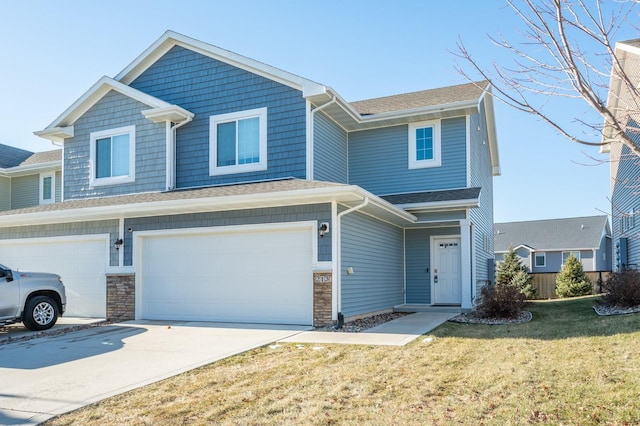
point(338, 227)
point(312, 132)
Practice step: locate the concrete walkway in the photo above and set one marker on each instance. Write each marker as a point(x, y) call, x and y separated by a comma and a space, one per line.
point(398, 332)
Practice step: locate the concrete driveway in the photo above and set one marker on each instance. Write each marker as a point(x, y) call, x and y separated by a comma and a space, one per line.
point(47, 376)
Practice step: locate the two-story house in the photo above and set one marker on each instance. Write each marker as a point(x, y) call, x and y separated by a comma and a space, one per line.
point(29, 179)
point(624, 162)
point(545, 245)
point(199, 184)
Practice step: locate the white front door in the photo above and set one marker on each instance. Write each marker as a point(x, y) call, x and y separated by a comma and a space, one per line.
point(447, 276)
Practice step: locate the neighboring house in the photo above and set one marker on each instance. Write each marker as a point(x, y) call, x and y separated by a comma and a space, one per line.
point(29, 179)
point(545, 245)
point(199, 184)
point(624, 163)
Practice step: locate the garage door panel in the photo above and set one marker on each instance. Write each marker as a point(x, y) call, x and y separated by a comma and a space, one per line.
point(81, 264)
point(236, 277)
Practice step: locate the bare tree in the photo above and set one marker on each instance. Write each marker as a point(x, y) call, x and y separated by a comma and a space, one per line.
point(568, 52)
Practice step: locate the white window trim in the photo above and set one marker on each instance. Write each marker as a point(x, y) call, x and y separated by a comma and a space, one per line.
point(414, 163)
point(544, 259)
point(114, 180)
point(214, 120)
point(52, 200)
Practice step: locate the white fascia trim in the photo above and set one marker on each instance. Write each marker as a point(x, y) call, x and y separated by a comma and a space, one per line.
point(627, 48)
point(194, 205)
point(492, 134)
point(440, 205)
point(56, 134)
point(31, 168)
point(170, 39)
point(93, 95)
point(172, 113)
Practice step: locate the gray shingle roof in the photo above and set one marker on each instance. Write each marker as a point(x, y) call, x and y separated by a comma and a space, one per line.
point(12, 157)
point(552, 234)
point(434, 196)
point(421, 99)
point(43, 157)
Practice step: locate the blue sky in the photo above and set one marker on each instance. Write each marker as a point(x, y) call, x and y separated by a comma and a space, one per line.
point(55, 50)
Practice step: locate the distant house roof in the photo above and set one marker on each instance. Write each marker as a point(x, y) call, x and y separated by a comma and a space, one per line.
point(12, 157)
point(551, 235)
point(422, 99)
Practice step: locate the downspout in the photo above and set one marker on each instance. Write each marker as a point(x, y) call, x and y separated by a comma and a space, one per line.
point(339, 257)
point(171, 151)
point(312, 134)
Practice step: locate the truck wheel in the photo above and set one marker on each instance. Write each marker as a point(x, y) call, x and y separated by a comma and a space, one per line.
point(40, 313)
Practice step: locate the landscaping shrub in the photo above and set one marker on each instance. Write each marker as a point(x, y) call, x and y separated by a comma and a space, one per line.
point(622, 289)
point(512, 272)
point(505, 301)
point(572, 281)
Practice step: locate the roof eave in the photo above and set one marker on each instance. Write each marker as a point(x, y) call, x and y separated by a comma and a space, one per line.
point(31, 168)
point(440, 205)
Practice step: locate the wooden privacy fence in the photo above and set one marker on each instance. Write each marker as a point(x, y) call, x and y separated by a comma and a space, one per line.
point(545, 284)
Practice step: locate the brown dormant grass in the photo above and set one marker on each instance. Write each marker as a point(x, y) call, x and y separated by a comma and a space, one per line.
point(567, 366)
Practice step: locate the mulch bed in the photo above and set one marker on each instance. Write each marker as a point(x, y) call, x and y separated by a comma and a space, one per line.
point(362, 324)
point(474, 318)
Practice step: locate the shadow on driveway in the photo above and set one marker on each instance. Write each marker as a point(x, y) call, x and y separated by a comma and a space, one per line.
point(49, 351)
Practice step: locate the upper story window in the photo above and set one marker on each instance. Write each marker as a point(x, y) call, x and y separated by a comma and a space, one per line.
point(541, 259)
point(238, 142)
point(113, 156)
point(47, 187)
point(424, 144)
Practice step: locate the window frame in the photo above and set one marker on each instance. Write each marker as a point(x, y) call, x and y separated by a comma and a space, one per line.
point(436, 161)
point(110, 133)
point(544, 259)
point(43, 176)
point(215, 120)
point(576, 253)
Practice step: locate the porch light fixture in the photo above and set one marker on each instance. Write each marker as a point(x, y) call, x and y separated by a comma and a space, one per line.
point(118, 243)
point(324, 229)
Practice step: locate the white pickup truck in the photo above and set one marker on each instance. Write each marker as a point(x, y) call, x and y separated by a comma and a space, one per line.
point(34, 298)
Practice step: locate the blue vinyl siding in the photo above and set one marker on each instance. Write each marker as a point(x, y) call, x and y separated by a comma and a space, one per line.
point(25, 191)
point(65, 230)
point(115, 110)
point(379, 160)
point(5, 193)
point(481, 175)
point(625, 175)
point(209, 87)
point(418, 262)
point(318, 212)
point(374, 250)
point(330, 151)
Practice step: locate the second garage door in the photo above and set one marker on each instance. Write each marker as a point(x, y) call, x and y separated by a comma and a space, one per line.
point(242, 274)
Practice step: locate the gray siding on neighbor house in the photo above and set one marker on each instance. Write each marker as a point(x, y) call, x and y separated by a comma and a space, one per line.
point(330, 156)
point(311, 212)
point(25, 191)
point(418, 262)
point(65, 230)
point(115, 110)
point(379, 160)
point(209, 87)
point(481, 175)
point(374, 250)
point(5, 193)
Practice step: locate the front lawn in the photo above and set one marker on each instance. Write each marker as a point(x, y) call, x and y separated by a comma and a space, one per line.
point(566, 366)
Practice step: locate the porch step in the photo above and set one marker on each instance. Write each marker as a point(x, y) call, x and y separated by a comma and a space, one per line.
point(414, 307)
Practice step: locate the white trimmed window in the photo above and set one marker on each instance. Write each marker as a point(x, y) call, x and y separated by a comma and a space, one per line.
point(113, 156)
point(541, 259)
point(238, 142)
point(47, 188)
point(424, 144)
point(567, 254)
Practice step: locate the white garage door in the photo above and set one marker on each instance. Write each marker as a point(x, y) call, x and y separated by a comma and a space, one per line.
point(80, 261)
point(249, 274)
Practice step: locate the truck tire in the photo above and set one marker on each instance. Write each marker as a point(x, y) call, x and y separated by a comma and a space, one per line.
point(40, 313)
